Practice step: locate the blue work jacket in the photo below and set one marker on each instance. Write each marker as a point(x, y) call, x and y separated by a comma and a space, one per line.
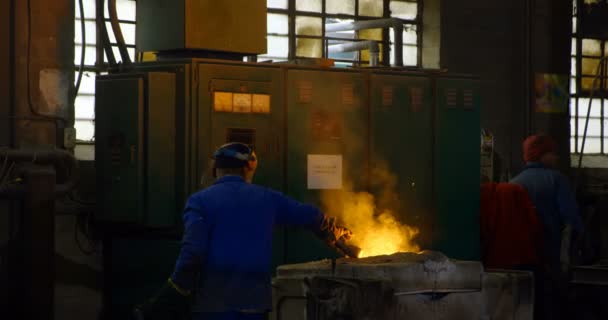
point(227, 244)
point(555, 204)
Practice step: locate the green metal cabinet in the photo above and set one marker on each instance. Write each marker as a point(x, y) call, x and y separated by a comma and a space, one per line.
point(135, 152)
point(327, 116)
point(401, 148)
point(264, 131)
point(456, 167)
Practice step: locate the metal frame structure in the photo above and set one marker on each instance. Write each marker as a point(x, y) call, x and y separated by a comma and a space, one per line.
point(292, 35)
point(580, 91)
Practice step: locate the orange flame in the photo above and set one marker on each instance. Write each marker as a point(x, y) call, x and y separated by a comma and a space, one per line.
point(375, 234)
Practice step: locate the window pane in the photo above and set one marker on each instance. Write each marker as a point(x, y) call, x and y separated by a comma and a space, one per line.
point(278, 23)
point(572, 85)
point(84, 107)
point(591, 47)
point(410, 35)
point(589, 66)
point(125, 9)
point(85, 130)
point(90, 55)
point(89, 9)
point(573, 66)
point(410, 55)
point(573, 48)
point(89, 29)
point(371, 34)
point(588, 82)
point(594, 129)
point(87, 84)
point(279, 4)
point(309, 5)
point(309, 48)
point(572, 145)
point(574, 28)
point(309, 26)
point(340, 6)
point(372, 8)
point(277, 46)
point(404, 10)
point(572, 107)
point(596, 107)
point(592, 145)
point(128, 32)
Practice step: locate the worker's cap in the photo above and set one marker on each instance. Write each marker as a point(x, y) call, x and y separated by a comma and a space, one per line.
point(538, 145)
point(233, 155)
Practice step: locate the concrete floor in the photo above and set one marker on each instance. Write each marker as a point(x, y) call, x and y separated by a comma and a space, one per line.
point(78, 276)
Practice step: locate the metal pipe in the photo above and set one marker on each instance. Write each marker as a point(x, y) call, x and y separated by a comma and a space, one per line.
point(372, 46)
point(394, 23)
point(60, 159)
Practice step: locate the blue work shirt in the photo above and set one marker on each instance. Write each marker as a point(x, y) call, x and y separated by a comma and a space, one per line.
point(555, 204)
point(227, 244)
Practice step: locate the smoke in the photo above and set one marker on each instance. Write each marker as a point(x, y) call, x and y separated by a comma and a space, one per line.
point(372, 219)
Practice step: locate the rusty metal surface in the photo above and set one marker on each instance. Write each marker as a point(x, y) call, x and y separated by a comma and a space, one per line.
point(44, 71)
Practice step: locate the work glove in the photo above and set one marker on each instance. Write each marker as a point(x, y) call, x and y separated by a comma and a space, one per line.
point(336, 236)
point(170, 303)
point(331, 232)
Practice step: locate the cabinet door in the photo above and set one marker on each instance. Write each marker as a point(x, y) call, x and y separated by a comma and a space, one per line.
point(457, 167)
point(326, 128)
point(244, 104)
point(401, 149)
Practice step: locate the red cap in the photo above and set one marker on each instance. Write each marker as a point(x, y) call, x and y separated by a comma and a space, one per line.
point(538, 145)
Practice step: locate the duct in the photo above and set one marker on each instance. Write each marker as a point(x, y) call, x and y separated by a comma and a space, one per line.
point(394, 23)
point(374, 49)
point(60, 159)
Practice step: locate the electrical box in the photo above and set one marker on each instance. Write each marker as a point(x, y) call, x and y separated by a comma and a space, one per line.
point(327, 151)
point(456, 167)
point(401, 110)
point(135, 149)
point(237, 26)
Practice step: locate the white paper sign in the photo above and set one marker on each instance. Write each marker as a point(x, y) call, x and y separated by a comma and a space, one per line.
point(324, 171)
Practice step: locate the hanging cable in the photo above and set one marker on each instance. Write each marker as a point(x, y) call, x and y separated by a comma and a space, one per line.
point(122, 46)
point(105, 38)
point(82, 51)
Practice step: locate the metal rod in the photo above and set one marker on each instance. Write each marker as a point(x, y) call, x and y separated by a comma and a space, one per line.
point(372, 46)
point(394, 23)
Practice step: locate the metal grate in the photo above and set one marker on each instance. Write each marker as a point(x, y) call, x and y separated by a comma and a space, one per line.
point(587, 51)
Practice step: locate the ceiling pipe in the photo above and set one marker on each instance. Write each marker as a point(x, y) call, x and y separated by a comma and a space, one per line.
point(372, 46)
point(394, 23)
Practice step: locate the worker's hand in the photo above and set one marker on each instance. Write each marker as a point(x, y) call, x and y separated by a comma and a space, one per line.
point(170, 303)
point(331, 232)
point(344, 233)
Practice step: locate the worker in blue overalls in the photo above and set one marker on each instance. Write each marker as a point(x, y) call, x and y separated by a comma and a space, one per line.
point(557, 210)
point(223, 268)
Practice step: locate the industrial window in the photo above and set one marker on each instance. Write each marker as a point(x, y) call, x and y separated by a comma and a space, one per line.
point(85, 100)
point(296, 29)
point(589, 48)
